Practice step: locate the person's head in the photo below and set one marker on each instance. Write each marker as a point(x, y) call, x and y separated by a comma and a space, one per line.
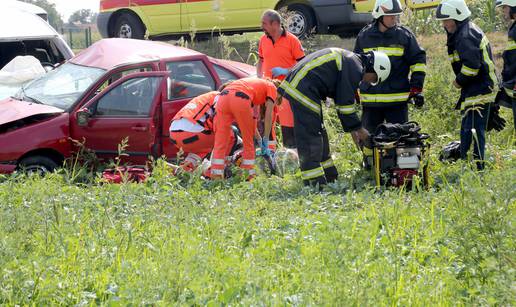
point(377, 67)
point(508, 8)
point(271, 22)
point(450, 12)
point(387, 13)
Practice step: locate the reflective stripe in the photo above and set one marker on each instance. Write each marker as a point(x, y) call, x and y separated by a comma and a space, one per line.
point(396, 97)
point(510, 92)
point(328, 163)
point(313, 173)
point(217, 161)
point(252, 172)
point(454, 57)
point(346, 110)
point(193, 158)
point(418, 67)
point(333, 56)
point(247, 162)
point(511, 44)
point(217, 172)
point(307, 102)
point(272, 143)
point(390, 51)
point(484, 44)
point(477, 100)
point(468, 71)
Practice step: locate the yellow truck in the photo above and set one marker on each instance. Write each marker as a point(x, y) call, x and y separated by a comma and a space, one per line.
point(174, 18)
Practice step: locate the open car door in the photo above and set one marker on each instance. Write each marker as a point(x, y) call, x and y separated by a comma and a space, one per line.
point(127, 109)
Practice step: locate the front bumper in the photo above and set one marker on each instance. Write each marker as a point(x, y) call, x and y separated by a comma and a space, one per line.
point(7, 167)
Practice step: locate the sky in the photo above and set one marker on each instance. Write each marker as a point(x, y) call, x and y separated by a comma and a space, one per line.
point(68, 7)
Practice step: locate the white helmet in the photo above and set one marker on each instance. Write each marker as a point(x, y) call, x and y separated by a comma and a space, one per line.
point(452, 9)
point(386, 7)
point(511, 3)
point(381, 66)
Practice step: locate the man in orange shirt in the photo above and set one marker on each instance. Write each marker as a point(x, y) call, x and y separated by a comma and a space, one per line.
point(279, 51)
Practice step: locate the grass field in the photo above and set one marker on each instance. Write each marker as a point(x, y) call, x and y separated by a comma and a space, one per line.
point(67, 239)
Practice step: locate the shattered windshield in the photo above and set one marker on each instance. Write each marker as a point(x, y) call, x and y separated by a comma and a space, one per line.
point(61, 87)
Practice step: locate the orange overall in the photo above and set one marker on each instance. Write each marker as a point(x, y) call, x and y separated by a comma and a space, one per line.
point(285, 52)
point(191, 130)
point(236, 103)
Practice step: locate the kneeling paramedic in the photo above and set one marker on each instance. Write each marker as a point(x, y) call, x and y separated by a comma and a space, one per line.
point(191, 130)
point(328, 73)
point(235, 104)
point(470, 54)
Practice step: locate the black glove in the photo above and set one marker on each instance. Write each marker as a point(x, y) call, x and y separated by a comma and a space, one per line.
point(495, 121)
point(418, 100)
point(503, 99)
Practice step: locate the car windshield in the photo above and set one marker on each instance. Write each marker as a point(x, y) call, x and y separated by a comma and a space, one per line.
point(7, 90)
point(61, 87)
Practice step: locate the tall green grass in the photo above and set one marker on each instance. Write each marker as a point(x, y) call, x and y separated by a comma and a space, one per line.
point(69, 239)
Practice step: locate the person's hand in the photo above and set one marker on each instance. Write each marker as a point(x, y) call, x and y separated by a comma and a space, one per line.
point(360, 137)
point(279, 71)
point(264, 147)
point(456, 84)
point(416, 97)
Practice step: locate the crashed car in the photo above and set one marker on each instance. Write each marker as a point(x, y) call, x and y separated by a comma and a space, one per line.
point(115, 89)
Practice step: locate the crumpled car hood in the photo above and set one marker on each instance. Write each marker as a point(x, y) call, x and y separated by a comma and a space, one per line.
point(12, 110)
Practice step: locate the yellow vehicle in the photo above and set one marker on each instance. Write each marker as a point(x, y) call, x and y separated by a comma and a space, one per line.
point(169, 18)
point(364, 6)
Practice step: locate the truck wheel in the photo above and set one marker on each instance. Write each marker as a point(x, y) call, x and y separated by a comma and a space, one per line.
point(37, 164)
point(128, 26)
point(300, 20)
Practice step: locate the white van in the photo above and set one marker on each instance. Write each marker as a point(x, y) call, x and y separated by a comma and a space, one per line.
point(25, 34)
point(27, 7)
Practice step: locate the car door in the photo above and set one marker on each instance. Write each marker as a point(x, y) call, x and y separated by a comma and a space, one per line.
point(125, 111)
point(189, 78)
point(163, 16)
point(214, 15)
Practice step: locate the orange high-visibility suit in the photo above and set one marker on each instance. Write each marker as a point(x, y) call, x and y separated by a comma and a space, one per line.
point(235, 104)
point(191, 130)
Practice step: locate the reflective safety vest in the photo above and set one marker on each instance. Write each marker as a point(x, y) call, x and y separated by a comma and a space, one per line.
point(199, 110)
point(471, 58)
point(408, 64)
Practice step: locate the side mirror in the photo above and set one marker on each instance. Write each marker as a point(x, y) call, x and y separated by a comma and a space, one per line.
point(83, 117)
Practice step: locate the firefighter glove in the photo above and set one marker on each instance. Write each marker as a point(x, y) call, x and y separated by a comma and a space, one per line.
point(279, 71)
point(416, 97)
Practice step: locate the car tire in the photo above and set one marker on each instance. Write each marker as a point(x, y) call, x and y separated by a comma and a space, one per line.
point(300, 20)
point(37, 164)
point(128, 26)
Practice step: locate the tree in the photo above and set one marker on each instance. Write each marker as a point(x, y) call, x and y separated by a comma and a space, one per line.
point(54, 18)
point(83, 16)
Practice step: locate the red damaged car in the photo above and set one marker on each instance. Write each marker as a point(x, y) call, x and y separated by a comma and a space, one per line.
point(116, 89)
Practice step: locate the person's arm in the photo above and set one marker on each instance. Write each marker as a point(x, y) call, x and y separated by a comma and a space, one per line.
point(269, 108)
point(470, 55)
point(416, 58)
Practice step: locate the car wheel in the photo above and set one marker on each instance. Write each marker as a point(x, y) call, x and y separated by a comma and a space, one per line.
point(128, 26)
point(300, 20)
point(37, 164)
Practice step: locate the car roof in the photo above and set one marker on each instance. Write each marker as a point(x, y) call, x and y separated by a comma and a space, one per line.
point(19, 24)
point(28, 7)
point(112, 52)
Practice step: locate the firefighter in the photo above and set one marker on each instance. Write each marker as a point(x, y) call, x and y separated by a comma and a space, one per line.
point(470, 54)
point(328, 73)
point(507, 91)
point(235, 104)
point(279, 50)
point(191, 130)
point(388, 101)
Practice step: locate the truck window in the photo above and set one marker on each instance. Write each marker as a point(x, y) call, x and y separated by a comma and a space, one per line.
point(132, 98)
point(189, 79)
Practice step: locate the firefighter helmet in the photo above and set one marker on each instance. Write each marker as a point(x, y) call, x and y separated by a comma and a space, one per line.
point(386, 8)
point(381, 66)
point(511, 3)
point(452, 9)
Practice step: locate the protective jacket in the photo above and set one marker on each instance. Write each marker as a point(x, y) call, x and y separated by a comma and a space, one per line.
point(408, 64)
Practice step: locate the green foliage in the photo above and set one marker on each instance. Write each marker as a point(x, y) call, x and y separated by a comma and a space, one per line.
point(70, 239)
